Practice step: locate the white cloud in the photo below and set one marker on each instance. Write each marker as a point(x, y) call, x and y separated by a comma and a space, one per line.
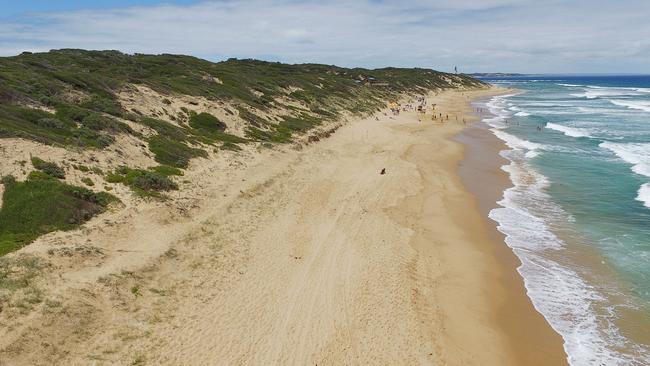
point(481, 35)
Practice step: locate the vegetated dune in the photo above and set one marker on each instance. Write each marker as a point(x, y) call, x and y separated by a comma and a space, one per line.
point(111, 120)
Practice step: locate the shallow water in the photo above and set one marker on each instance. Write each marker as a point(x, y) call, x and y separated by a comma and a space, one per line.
point(578, 216)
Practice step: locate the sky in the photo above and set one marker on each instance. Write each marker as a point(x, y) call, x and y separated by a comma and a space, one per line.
point(525, 36)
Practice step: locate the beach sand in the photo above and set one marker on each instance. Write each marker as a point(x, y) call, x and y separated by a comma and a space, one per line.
point(298, 257)
point(480, 170)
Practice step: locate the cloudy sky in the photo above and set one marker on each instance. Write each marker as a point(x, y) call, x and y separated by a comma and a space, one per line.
point(530, 36)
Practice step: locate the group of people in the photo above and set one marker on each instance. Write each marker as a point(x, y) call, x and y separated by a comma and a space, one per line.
point(420, 105)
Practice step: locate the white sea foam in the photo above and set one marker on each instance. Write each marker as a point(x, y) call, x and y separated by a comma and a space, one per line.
point(570, 85)
point(527, 217)
point(546, 112)
point(635, 89)
point(643, 105)
point(557, 292)
point(599, 110)
point(498, 108)
point(644, 195)
point(547, 103)
point(593, 92)
point(522, 114)
point(569, 131)
point(530, 148)
point(637, 154)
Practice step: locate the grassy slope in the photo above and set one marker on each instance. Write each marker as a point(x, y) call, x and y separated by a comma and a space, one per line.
point(48, 79)
point(43, 204)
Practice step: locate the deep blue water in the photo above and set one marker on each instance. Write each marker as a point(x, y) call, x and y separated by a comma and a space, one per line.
point(580, 161)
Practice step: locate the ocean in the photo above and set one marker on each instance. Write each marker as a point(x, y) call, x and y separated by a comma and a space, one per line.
point(578, 215)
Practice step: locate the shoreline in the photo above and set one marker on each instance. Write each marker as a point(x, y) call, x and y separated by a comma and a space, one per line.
point(576, 262)
point(482, 164)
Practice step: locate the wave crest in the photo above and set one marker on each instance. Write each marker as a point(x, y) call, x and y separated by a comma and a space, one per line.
point(644, 195)
point(637, 154)
point(569, 131)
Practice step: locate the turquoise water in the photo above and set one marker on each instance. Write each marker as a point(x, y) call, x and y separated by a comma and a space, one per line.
point(578, 215)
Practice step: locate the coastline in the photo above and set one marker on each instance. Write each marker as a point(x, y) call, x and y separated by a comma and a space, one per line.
point(567, 276)
point(301, 256)
point(481, 173)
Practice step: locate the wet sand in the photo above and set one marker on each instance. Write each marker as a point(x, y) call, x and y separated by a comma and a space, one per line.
point(481, 173)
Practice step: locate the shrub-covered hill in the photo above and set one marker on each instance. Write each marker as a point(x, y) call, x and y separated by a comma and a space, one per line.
point(104, 121)
point(72, 97)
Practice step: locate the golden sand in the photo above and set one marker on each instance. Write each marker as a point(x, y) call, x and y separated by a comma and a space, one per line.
point(297, 257)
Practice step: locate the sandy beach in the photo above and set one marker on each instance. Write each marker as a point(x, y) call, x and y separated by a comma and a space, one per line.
point(481, 173)
point(303, 255)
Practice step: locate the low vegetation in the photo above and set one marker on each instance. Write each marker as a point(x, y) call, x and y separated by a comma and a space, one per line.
point(42, 204)
point(76, 92)
point(173, 152)
point(206, 122)
point(71, 98)
point(145, 183)
point(166, 170)
point(49, 168)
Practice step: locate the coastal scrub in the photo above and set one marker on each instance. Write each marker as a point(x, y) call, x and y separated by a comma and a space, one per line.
point(43, 204)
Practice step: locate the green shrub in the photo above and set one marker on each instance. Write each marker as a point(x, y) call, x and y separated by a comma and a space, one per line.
point(48, 168)
point(166, 129)
point(142, 182)
point(69, 112)
point(166, 170)
point(322, 91)
point(103, 103)
point(276, 134)
point(38, 175)
point(223, 137)
point(87, 181)
point(39, 206)
point(206, 122)
point(300, 124)
point(8, 180)
point(90, 118)
point(152, 181)
point(252, 118)
point(104, 140)
point(173, 153)
point(230, 146)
